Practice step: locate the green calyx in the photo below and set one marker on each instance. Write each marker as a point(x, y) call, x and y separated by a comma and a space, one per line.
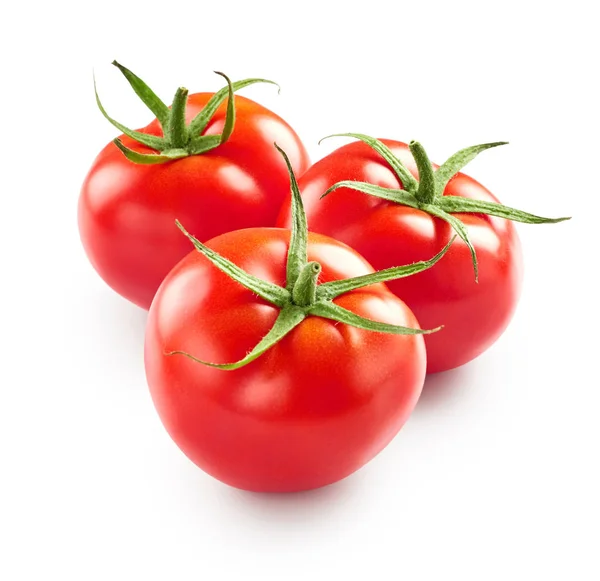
point(427, 193)
point(302, 295)
point(179, 139)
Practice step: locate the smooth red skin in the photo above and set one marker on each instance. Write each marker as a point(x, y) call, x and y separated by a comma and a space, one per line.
point(474, 314)
point(127, 211)
point(314, 408)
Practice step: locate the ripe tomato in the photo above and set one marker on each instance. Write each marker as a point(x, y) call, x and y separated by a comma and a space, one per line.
point(473, 313)
point(315, 407)
point(127, 210)
point(324, 374)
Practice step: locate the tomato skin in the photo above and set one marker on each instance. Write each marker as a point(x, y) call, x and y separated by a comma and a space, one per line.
point(127, 211)
point(310, 411)
point(474, 314)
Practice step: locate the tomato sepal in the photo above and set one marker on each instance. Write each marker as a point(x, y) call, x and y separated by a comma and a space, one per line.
point(408, 181)
point(151, 141)
point(458, 204)
point(334, 312)
point(146, 94)
point(149, 158)
point(302, 296)
point(288, 318)
point(457, 161)
point(201, 121)
point(399, 196)
point(335, 288)
point(270, 292)
point(459, 228)
point(427, 194)
point(178, 139)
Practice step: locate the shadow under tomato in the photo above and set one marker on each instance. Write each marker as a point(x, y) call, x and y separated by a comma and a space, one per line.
point(294, 507)
point(442, 388)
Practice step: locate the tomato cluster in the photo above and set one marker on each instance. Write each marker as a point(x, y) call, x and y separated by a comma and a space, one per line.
point(280, 359)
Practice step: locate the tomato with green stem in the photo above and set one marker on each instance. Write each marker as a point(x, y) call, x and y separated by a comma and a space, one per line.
point(278, 361)
point(386, 200)
point(208, 159)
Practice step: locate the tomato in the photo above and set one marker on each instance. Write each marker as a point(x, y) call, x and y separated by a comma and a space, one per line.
point(327, 366)
point(127, 210)
point(314, 408)
point(474, 313)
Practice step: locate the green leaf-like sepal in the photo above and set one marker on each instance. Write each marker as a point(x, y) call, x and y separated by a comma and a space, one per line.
point(179, 140)
point(288, 318)
point(268, 291)
point(334, 312)
point(457, 161)
point(199, 123)
point(151, 141)
point(408, 181)
point(298, 249)
point(204, 143)
point(335, 288)
point(149, 158)
point(147, 95)
point(459, 228)
point(230, 115)
point(399, 196)
point(405, 199)
point(456, 204)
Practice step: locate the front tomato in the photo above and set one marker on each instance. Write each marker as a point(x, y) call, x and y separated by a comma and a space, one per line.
point(212, 176)
point(315, 407)
point(328, 363)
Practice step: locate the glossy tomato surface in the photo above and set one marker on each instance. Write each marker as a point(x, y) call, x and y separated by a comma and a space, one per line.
point(314, 408)
point(474, 314)
point(127, 211)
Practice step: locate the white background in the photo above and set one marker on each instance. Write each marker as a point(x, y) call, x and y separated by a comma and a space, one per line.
point(495, 476)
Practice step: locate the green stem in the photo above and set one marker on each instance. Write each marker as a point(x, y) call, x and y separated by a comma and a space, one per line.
point(177, 132)
point(304, 292)
point(426, 191)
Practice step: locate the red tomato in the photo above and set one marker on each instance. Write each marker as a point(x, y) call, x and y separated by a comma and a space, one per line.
point(127, 210)
point(474, 314)
point(311, 410)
